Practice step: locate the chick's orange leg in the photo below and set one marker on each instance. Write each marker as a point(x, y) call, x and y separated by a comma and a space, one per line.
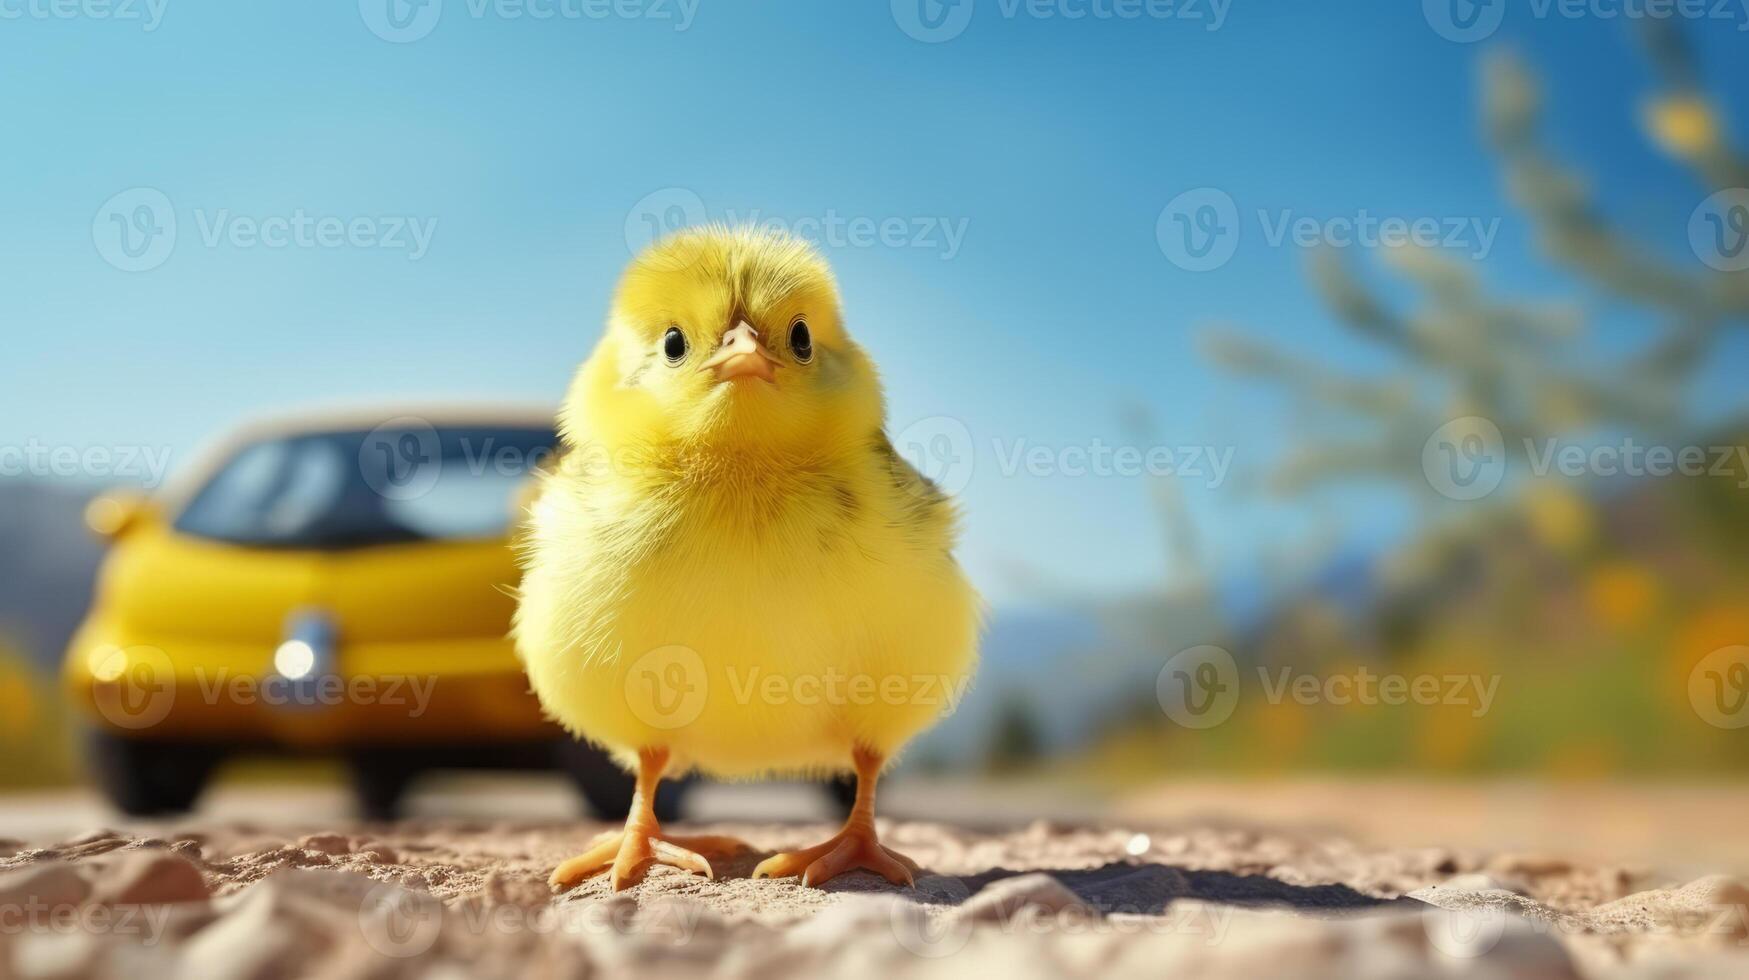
point(629, 853)
point(854, 848)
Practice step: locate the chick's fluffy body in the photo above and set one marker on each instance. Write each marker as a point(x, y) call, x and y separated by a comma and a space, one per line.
point(745, 573)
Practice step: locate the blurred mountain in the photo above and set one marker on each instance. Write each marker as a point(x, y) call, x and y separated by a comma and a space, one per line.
point(1069, 668)
point(47, 562)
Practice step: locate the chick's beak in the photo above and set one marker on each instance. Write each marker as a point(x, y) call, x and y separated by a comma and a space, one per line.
point(741, 356)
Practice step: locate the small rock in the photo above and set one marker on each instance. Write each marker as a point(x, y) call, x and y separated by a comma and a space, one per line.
point(1003, 900)
point(1716, 907)
point(1534, 865)
point(55, 884)
point(378, 853)
point(327, 843)
point(251, 941)
point(93, 836)
point(1725, 902)
point(152, 877)
point(51, 953)
point(500, 889)
point(339, 888)
point(1492, 944)
point(855, 915)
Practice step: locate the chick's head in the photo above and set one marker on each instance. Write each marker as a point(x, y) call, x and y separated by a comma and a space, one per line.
point(727, 339)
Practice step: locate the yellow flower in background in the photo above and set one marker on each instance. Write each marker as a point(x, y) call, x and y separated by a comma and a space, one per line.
point(1448, 736)
point(1714, 627)
point(1560, 518)
point(18, 707)
point(1593, 756)
point(1683, 124)
point(1281, 729)
point(1622, 595)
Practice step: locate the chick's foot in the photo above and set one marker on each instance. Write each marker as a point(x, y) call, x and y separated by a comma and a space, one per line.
point(855, 848)
point(629, 853)
point(851, 849)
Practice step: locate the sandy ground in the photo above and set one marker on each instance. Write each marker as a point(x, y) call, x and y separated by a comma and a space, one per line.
point(266, 884)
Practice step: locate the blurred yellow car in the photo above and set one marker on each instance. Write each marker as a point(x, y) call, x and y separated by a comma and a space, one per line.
point(330, 585)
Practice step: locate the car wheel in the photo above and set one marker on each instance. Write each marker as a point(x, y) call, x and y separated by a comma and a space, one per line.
point(149, 778)
point(380, 784)
point(607, 788)
point(842, 789)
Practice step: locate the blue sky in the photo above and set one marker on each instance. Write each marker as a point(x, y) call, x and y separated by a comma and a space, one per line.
point(524, 147)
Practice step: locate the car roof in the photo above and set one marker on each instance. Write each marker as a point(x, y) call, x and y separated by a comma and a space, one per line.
point(347, 418)
point(353, 418)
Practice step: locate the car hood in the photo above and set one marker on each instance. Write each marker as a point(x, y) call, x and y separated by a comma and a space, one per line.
point(163, 583)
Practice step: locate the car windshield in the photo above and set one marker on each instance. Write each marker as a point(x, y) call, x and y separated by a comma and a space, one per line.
point(389, 485)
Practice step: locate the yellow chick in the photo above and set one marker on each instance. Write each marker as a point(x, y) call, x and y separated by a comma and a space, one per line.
point(731, 570)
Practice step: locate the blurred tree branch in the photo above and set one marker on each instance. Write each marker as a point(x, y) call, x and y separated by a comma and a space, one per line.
point(1523, 366)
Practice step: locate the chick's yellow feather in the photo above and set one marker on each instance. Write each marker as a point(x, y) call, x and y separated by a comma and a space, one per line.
point(740, 571)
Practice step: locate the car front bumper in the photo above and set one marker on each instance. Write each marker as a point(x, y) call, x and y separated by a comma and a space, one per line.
point(388, 693)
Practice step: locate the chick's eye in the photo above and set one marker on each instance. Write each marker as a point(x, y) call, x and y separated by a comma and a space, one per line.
point(801, 342)
point(674, 345)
